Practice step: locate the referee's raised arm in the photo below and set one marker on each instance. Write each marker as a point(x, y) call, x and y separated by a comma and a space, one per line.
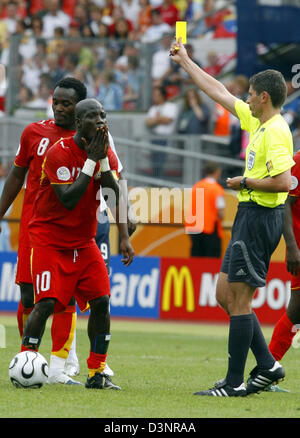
point(208, 84)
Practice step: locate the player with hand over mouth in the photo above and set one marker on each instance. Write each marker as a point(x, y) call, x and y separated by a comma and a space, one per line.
point(66, 261)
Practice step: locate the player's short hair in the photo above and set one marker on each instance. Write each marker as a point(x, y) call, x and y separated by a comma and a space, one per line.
point(210, 168)
point(74, 83)
point(271, 81)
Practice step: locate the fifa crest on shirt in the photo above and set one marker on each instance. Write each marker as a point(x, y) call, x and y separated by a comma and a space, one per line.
point(251, 160)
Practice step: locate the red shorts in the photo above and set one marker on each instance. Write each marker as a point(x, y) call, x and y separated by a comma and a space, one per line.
point(23, 274)
point(63, 274)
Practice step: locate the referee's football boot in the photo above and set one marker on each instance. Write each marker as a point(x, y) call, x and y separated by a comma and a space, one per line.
point(261, 380)
point(221, 389)
point(101, 381)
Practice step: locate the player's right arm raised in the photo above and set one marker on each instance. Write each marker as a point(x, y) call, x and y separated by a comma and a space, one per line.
point(208, 84)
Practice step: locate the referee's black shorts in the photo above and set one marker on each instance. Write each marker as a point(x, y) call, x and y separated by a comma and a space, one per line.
point(255, 235)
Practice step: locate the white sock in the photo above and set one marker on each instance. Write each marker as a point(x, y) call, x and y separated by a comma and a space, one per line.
point(56, 365)
point(72, 353)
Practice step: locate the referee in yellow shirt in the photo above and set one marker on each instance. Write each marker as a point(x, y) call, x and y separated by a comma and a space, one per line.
point(258, 225)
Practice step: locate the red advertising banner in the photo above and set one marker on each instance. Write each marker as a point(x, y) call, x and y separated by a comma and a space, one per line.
point(188, 286)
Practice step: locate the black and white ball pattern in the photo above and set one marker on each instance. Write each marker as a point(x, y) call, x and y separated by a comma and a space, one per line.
point(28, 369)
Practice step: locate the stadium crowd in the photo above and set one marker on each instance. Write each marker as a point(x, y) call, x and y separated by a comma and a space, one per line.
point(51, 44)
point(60, 38)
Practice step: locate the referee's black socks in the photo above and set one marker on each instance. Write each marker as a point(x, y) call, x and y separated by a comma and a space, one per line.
point(259, 347)
point(239, 341)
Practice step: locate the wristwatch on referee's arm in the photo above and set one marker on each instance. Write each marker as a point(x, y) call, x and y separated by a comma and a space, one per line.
point(243, 183)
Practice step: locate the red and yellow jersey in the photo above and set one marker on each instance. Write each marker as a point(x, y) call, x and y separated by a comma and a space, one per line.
point(53, 225)
point(35, 141)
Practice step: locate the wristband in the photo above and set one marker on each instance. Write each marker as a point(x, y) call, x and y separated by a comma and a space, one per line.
point(243, 183)
point(104, 165)
point(89, 167)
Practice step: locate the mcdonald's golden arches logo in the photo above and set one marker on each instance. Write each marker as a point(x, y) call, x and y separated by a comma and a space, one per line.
point(179, 279)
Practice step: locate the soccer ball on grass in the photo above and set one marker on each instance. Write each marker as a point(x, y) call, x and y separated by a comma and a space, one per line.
point(28, 369)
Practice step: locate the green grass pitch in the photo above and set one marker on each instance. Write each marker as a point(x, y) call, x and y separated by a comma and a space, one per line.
point(158, 365)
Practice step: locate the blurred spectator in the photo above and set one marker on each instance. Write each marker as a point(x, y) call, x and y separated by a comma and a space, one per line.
point(74, 31)
point(20, 8)
point(144, 18)
point(178, 77)
point(239, 139)
point(240, 87)
point(101, 47)
point(53, 18)
point(193, 11)
point(161, 120)
point(194, 116)
point(32, 70)
point(118, 13)
point(291, 110)
point(207, 239)
point(182, 5)
point(40, 101)
point(36, 6)
point(27, 47)
point(161, 63)
point(54, 72)
point(96, 18)
point(10, 17)
point(193, 14)
point(86, 56)
point(216, 63)
point(131, 9)
point(81, 16)
point(107, 11)
point(36, 26)
point(71, 61)
point(58, 45)
point(169, 12)
point(110, 94)
point(24, 95)
point(157, 28)
point(87, 31)
point(222, 121)
point(221, 22)
point(133, 83)
point(86, 77)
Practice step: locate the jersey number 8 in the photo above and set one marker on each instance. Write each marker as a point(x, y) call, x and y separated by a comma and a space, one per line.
point(43, 146)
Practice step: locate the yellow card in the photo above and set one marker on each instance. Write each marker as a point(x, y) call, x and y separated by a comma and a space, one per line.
point(181, 31)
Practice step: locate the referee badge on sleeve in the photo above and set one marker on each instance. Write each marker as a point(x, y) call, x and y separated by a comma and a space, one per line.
point(251, 160)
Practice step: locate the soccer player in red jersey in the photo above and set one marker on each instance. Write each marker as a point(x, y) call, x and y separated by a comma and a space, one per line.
point(35, 140)
point(288, 324)
point(65, 259)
